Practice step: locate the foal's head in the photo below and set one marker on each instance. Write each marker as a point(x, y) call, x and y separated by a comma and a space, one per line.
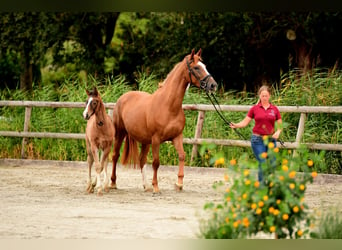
point(93, 103)
point(198, 74)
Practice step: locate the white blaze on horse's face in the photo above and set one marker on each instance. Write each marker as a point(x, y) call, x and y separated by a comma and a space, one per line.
point(85, 112)
point(204, 68)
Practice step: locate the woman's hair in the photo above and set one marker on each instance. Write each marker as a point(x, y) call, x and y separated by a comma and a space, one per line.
point(263, 88)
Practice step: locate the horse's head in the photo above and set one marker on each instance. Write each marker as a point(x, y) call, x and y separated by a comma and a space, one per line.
point(92, 103)
point(198, 74)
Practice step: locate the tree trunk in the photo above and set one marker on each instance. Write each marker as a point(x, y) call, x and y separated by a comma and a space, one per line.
point(26, 73)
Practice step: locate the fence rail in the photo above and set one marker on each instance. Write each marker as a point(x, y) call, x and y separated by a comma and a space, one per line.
point(200, 108)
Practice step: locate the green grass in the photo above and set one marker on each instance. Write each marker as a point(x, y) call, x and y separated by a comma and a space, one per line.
point(329, 225)
point(319, 88)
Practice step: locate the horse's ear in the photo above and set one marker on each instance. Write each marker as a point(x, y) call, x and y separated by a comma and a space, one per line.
point(95, 93)
point(87, 92)
point(192, 54)
point(199, 52)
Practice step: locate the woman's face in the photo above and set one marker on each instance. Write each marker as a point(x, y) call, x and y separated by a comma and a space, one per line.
point(264, 96)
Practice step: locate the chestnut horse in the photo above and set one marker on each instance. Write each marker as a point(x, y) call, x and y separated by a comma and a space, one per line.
point(152, 119)
point(99, 136)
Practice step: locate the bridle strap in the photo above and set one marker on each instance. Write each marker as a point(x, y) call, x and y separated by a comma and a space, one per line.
point(203, 82)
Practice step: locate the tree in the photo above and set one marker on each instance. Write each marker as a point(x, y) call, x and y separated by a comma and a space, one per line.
point(29, 34)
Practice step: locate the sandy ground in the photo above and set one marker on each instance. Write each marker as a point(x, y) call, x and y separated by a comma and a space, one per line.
point(47, 200)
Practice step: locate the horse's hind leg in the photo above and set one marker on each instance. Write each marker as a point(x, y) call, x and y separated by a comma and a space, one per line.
point(116, 154)
point(104, 163)
point(142, 161)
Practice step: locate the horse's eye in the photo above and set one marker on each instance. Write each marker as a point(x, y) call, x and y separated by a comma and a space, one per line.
point(197, 68)
point(94, 103)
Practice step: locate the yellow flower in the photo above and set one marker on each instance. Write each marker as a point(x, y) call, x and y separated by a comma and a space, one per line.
point(278, 202)
point(232, 162)
point(264, 155)
point(310, 163)
point(258, 211)
point(285, 168)
point(314, 174)
point(265, 137)
point(244, 196)
point(295, 209)
point(285, 216)
point(276, 212)
point(285, 161)
point(292, 185)
point(281, 178)
point(234, 215)
point(228, 198)
point(226, 177)
point(299, 232)
point(256, 184)
point(271, 145)
point(292, 174)
point(245, 222)
point(289, 151)
point(261, 203)
point(253, 206)
point(276, 150)
point(272, 229)
point(227, 190)
point(247, 182)
point(301, 187)
point(227, 220)
point(219, 161)
point(236, 224)
point(246, 172)
point(271, 210)
point(265, 198)
point(271, 184)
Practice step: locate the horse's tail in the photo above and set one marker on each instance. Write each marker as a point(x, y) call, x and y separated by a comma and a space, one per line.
point(130, 152)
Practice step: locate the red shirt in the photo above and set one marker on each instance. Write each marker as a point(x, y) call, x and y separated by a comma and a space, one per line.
point(264, 119)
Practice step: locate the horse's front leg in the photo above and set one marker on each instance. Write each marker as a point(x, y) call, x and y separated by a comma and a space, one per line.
point(178, 144)
point(155, 166)
point(98, 169)
point(90, 160)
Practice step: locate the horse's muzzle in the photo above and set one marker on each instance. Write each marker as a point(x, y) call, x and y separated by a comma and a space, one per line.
point(209, 84)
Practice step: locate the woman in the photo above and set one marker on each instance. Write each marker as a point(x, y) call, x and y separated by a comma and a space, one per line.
point(265, 115)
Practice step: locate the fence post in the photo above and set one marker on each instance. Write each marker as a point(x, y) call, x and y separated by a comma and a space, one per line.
point(300, 130)
point(198, 132)
point(26, 129)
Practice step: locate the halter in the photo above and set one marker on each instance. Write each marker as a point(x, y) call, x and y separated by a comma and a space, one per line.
point(100, 123)
point(203, 82)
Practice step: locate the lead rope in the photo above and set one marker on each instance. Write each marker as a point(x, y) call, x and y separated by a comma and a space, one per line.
point(221, 115)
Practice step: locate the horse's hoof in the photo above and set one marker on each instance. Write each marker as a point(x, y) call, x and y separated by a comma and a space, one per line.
point(156, 194)
point(106, 189)
point(178, 187)
point(113, 186)
point(99, 192)
point(148, 189)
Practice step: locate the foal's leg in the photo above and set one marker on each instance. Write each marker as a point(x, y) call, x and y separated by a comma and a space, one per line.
point(98, 169)
point(104, 163)
point(155, 165)
point(142, 161)
point(178, 144)
point(90, 160)
point(116, 154)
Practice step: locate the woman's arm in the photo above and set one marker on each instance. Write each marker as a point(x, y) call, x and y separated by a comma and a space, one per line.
point(241, 124)
point(279, 129)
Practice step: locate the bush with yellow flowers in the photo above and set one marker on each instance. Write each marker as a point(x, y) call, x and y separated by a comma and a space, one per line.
point(276, 206)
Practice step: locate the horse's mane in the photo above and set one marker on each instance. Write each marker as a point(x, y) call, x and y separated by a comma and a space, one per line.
point(171, 73)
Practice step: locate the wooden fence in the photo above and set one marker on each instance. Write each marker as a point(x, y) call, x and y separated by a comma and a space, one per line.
point(201, 109)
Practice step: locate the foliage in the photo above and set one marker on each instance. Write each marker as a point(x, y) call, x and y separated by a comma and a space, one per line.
point(321, 128)
point(275, 205)
point(329, 226)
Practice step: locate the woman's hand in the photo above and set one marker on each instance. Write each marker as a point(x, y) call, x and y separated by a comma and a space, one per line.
point(276, 134)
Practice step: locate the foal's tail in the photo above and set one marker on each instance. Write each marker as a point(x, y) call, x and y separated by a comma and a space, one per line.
point(130, 152)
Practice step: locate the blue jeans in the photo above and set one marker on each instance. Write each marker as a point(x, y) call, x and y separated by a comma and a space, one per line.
point(258, 148)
